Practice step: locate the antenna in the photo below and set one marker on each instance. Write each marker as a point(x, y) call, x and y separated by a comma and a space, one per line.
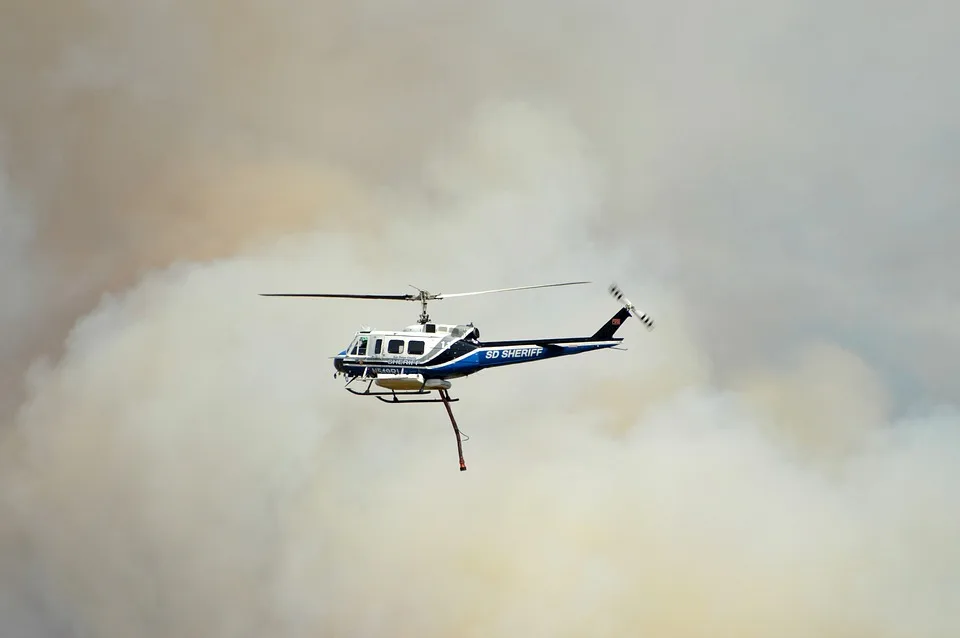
point(422, 296)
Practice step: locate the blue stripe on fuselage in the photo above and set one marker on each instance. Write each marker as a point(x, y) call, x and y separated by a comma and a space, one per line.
point(490, 357)
point(482, 358)
point(498, 356)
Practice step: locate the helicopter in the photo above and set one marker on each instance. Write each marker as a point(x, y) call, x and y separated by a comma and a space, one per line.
point(425, 357)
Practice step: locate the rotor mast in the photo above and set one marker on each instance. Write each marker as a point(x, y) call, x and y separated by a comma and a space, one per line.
point(424, 317)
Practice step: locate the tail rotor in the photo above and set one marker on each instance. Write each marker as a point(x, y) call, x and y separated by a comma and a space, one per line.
point(643, 317)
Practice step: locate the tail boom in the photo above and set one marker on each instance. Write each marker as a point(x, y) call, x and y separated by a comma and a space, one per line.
point(495, 354)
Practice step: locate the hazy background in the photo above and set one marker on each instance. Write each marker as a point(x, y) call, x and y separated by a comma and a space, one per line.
point(775, 182)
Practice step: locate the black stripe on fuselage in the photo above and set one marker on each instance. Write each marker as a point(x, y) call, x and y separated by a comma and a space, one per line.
point(542, 342)
point(455, 351)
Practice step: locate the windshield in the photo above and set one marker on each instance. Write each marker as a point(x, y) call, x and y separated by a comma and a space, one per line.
point(359, 346)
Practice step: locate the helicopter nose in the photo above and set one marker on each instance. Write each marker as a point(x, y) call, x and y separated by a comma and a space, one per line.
point(338, 363)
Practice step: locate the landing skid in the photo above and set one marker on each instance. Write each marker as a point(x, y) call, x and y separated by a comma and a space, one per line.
point(395, 398)
point(396, 394)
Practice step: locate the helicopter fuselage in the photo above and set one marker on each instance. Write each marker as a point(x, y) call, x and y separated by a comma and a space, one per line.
point(429, 353)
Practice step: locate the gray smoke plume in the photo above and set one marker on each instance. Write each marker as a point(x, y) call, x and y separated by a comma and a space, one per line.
point(772, 182)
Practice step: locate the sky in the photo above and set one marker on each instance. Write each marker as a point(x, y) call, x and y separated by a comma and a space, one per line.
point(775, 183)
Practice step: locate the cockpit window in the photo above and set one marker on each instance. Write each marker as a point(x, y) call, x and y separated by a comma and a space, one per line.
point(359, 347)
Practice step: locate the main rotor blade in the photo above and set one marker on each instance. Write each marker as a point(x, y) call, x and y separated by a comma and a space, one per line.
point(328, 295)
point(410, 297)
point(483, 292)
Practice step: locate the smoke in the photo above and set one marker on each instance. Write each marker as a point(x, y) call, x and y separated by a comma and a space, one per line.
point(176, 460)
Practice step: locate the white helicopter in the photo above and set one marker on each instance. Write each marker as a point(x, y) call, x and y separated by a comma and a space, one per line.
point(424, 357)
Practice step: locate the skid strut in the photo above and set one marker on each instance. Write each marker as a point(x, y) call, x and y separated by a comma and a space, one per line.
point(446, 403)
